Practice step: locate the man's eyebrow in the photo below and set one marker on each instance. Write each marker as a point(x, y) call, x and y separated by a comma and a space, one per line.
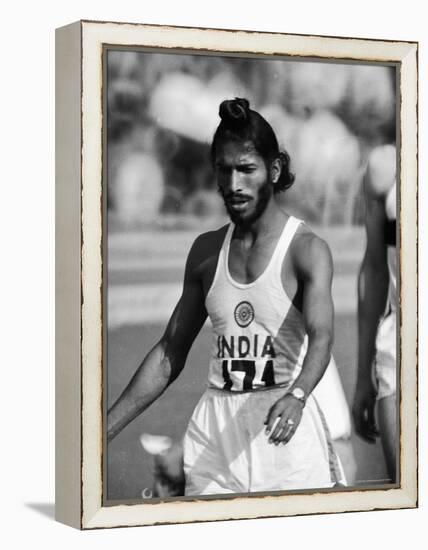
point(239, 163)
point(246, 163)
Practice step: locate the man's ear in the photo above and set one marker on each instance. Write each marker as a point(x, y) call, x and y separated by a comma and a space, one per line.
point(275, 170)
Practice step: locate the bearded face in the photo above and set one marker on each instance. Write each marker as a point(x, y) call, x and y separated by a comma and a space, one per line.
point(243, 181)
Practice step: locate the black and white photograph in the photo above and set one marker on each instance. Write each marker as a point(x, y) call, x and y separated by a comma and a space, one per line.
point(250, 276)
point(209, 335)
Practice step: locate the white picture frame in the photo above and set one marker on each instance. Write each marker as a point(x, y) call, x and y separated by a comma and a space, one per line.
point(80, 436)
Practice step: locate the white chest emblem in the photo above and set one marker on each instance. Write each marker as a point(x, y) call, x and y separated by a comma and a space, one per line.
point(244, 314)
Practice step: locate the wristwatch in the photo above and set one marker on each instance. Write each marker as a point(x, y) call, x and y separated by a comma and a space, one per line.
point(299, 394)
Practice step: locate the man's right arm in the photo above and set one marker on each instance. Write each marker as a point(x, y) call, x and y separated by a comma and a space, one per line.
point(372, 286)
point(166, 360)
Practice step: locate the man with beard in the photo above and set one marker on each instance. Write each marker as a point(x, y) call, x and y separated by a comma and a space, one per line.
point(265, 282)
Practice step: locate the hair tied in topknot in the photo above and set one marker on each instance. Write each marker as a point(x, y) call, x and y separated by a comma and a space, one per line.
point(234, 112)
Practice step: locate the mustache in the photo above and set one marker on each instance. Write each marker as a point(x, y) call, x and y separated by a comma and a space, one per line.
point(234, 196)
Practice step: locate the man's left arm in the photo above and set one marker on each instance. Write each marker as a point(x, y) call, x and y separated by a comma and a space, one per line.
point(315, 269)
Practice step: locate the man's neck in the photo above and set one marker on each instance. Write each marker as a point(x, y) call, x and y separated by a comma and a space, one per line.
point(269, 222)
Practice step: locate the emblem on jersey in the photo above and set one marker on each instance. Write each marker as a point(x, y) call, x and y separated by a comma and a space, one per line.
point(244, 314)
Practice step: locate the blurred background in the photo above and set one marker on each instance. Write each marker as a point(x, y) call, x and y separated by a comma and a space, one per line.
point(162, 111)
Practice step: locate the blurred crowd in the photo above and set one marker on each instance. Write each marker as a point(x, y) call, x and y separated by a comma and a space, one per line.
point(162, 111)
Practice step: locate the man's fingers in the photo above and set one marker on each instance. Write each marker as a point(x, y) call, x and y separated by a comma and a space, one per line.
point(284, 431)
point(371, 430)
point(288, 435)
point(277, 430)
point(365, 422)
point(283, 417)
point(371, 421)
point(368, 439)
point(272, 417)
point(367, 436)
point(366, 431)
point(273, 426)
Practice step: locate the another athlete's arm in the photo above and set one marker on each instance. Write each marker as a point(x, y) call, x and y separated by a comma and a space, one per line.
point(315, 269)
point(166, 360)
point(372, 286)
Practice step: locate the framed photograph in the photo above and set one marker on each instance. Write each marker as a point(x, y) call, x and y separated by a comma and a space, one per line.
point(236, 274)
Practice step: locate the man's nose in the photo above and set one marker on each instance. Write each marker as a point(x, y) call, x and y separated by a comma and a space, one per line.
point(235, 181)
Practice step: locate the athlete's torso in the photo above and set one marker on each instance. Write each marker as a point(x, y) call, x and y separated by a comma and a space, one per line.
point(259, 339)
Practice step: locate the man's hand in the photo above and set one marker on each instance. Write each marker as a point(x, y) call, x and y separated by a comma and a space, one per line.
point(363, 412)
point(288, 410)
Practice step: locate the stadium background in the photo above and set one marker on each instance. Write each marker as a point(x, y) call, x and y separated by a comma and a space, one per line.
point(161, 115)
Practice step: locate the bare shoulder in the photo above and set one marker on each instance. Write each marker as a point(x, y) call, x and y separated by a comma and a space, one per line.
point(206, 243)
point(310, 252)
point(381, 171)
point(205, 246)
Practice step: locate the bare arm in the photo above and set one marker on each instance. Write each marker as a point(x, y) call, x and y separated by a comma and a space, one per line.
point(318, 312)
point(166, 360)
point(315, 268)
point(372, 294)
point(372, 285)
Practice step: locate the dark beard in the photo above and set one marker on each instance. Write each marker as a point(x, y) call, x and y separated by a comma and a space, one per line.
point(263, 198)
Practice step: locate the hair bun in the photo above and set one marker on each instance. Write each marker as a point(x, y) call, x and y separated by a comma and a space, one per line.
point(234, 112)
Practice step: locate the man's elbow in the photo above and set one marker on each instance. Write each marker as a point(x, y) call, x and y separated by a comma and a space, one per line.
point(323, 338)
point(173, 359)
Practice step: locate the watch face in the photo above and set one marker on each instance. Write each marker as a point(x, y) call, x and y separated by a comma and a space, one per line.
point(298, 393)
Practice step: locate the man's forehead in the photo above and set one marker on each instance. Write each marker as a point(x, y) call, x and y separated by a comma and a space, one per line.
point(241, 152)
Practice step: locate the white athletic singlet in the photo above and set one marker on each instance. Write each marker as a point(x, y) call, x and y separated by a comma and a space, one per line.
point(390, 208)
point(259, 339)
point(385, 359)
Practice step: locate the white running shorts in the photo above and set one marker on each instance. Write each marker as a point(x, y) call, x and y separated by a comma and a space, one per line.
point(226, 449)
